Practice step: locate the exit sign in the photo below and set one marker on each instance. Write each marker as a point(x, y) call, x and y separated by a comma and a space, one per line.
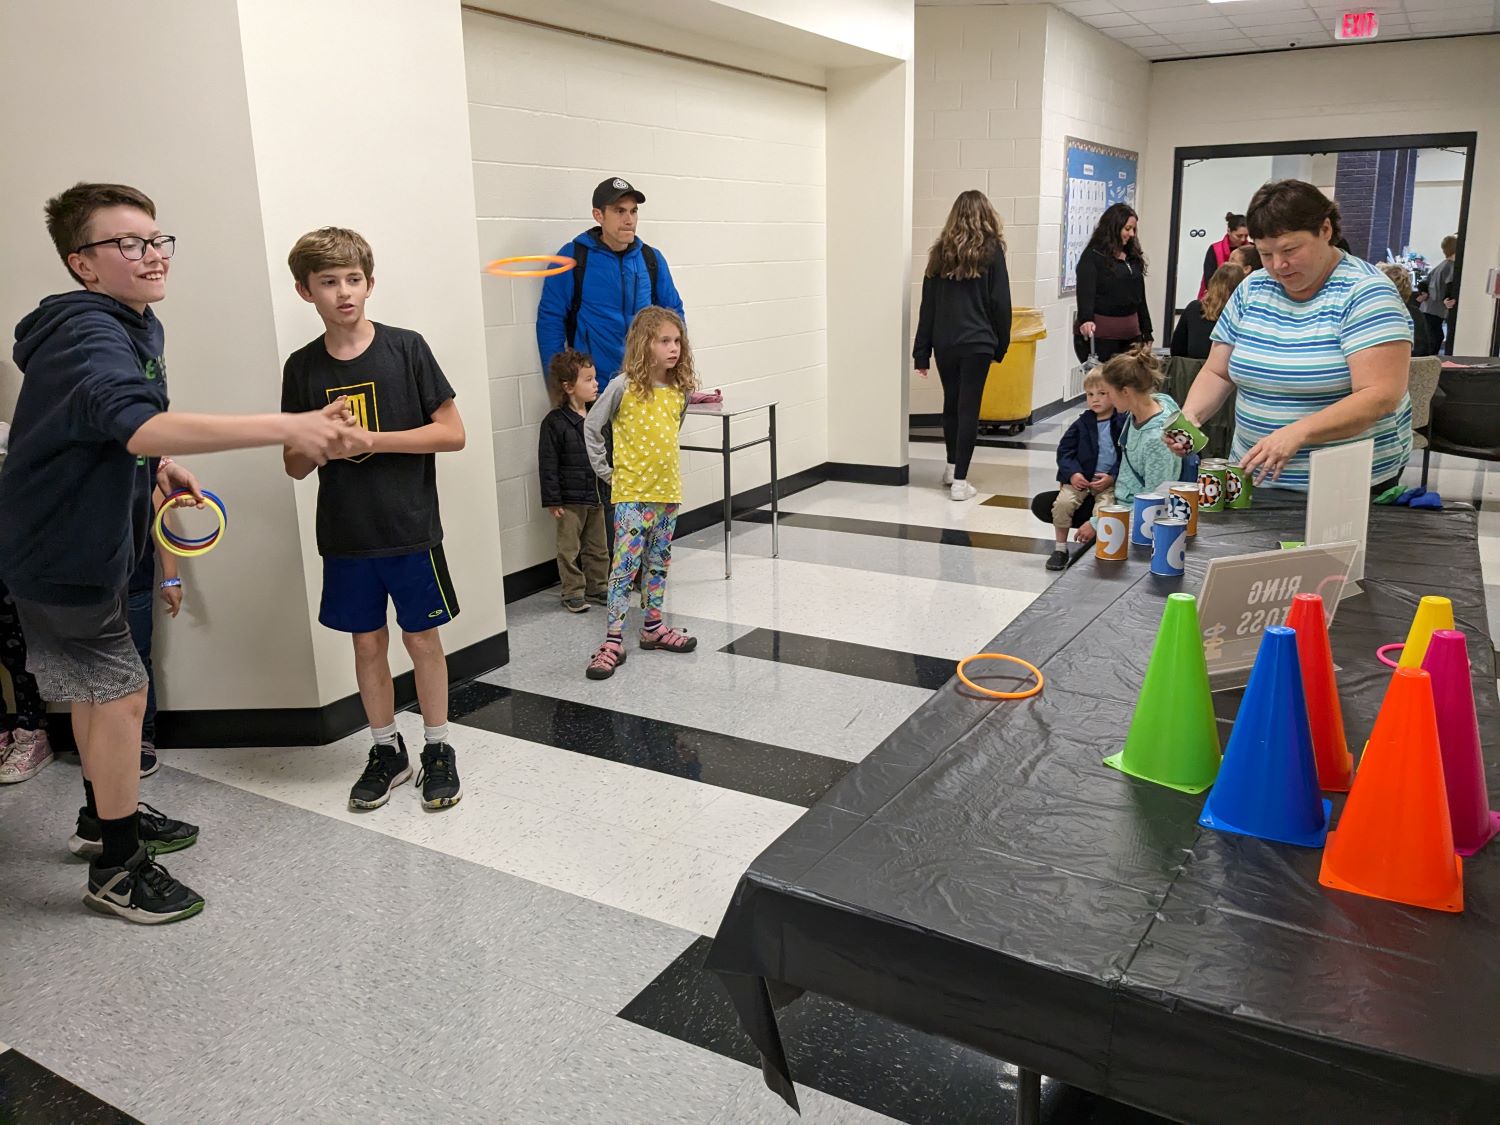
point(1357, 25)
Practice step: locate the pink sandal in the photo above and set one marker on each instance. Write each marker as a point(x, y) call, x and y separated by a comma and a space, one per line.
point(610, 656)
point(669, 640)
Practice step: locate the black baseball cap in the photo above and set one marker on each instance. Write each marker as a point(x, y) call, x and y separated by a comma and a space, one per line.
point(612, 189)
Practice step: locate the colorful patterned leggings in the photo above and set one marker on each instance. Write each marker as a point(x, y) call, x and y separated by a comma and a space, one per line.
point(31, 712)
point(643, 536)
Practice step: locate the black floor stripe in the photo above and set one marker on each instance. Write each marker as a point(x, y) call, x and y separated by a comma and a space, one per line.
point(916, 533)
point(890, 665)
point(723, 760)
point(989, 442)
point(30, 1094)
point(866, 1059)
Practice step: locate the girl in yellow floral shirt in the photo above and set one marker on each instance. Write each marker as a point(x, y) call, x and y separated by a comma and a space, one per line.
point(646, 405)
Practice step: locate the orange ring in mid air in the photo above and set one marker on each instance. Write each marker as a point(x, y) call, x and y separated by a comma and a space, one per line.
point(497, 267)
point(1027, 694)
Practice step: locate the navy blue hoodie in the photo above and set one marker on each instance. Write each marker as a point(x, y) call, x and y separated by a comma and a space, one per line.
point(75, 505)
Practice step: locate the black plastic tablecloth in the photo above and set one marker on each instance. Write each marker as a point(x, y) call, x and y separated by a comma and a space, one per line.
point(981, 875)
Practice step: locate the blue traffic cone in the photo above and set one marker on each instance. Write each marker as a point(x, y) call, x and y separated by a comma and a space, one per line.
point(1268, 783)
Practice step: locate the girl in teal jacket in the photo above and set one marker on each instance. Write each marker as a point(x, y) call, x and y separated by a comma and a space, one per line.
point(1146, 464)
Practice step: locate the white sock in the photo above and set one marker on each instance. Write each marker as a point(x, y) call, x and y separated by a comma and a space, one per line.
point(949, 470)
point(384, 736)
point(434, 735)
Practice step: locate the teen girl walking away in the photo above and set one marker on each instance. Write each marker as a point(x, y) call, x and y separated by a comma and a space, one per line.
point(965, 319)
point(645, 407)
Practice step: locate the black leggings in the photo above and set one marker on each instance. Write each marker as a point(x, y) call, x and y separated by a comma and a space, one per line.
point(31, 712)
point(963, 379)
point(1435, 326)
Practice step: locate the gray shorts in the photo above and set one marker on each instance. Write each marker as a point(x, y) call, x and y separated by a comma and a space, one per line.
point(81, 654)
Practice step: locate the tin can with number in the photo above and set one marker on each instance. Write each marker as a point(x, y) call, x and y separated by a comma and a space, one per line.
point(1169, 547)
point(1239, 489)
point(1212, 475)
point(1179, 429)
point(1182, 504)
point(1112, 537)
point(1149, 506)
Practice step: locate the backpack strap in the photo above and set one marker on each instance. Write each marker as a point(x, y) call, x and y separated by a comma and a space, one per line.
point(570, 319)
point(651, 266)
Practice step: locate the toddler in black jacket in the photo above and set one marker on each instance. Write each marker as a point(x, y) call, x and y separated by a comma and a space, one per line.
point(570, 490)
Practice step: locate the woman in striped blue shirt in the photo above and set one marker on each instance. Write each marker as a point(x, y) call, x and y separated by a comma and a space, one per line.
point(1318, 345)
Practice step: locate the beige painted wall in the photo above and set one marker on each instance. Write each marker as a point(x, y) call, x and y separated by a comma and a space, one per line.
point(382, 147)
point(246, 136)
point(179, 129)
point(1337, 92)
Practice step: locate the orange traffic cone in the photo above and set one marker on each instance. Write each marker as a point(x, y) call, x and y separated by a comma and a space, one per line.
point(1394, 840)
point(1320, 687)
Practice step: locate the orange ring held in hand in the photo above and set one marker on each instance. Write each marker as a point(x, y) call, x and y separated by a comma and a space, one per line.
point(1027, 694)
point(497, 267)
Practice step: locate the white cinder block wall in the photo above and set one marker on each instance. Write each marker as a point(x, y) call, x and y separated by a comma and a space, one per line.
point(733, 170)
point(997, 91)
point(978, 104)
point(1094, 89)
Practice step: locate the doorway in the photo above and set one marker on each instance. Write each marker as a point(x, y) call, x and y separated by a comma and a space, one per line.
point(1400, 197)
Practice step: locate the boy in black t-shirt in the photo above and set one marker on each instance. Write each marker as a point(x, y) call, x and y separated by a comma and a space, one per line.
point(379, 531)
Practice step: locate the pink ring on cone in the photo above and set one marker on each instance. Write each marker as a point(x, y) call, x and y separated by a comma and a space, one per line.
point(1383, 649)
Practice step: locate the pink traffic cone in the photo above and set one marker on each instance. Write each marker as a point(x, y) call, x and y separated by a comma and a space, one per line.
point(1447, 662)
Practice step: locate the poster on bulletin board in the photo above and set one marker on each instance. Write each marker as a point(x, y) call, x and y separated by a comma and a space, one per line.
point(1094, 177)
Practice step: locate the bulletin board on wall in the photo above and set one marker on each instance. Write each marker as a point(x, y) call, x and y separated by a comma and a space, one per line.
point(1094, 177)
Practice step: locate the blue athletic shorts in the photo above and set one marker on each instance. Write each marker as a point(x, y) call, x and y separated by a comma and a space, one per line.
point(355, 592)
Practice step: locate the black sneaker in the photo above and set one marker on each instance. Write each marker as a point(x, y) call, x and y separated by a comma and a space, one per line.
point(141, 891)
point(1058, 560)
point(439, 776)
point(601, 598)
point(149, 762)
point(387, 768)
point(575, 605)
point(159, 834)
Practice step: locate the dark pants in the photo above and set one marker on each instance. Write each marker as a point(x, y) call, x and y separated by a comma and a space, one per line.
point(1103, 349)
point(1435, 326)
point(963, 379)
point(31, 712)
point(141, 607)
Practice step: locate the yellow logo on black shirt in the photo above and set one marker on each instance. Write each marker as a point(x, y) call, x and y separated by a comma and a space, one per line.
point(363, 404)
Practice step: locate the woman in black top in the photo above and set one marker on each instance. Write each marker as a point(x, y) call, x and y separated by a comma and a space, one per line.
point(965, 319)
point(1112, 288)
point(1193, 336)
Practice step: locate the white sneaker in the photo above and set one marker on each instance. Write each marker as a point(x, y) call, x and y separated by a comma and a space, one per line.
point(962, 490)
point(948, 476)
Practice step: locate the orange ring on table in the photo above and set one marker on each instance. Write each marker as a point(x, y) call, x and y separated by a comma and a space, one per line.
point(497, 267)
point(1027, 694)
point(189, 548)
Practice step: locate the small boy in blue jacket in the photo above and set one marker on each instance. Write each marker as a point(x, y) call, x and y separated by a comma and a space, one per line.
point(1087, 459)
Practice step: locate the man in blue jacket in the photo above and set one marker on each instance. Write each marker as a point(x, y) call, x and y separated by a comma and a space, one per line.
point(590, 307)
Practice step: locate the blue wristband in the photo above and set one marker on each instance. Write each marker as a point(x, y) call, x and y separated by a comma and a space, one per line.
point(171, 583)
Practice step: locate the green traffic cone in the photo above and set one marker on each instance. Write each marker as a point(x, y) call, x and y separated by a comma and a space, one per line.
point(1174, 739)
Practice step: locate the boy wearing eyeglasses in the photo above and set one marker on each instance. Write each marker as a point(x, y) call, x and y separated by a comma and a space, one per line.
point(75, 503)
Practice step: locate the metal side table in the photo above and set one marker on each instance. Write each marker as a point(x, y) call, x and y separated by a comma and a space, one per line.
point(726, 411)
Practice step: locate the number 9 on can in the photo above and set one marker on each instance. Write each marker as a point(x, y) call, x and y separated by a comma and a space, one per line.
point(1113, 539)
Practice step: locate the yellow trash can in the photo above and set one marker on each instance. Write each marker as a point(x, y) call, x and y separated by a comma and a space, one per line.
point(1007, 389)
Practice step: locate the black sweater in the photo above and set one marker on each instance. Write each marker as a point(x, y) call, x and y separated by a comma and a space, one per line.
point(1111, 287)
point(970, 317)
point(1193, 336)
point(567, 476)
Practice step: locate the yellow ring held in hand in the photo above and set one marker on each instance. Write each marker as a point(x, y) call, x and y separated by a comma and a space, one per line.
point(497, 267)
point(991, 694)
point(164, 537)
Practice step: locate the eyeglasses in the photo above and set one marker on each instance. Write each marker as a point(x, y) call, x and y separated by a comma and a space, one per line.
point(133, 248)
